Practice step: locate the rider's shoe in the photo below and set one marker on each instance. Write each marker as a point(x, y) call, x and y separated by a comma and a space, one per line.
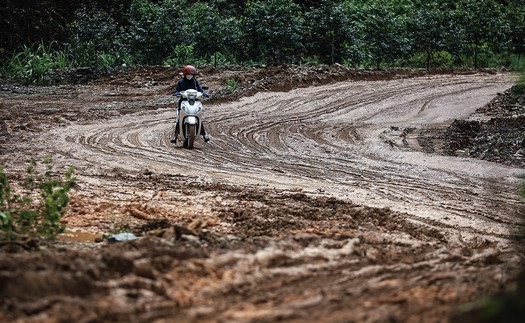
point(206, 138)
point(174, 140)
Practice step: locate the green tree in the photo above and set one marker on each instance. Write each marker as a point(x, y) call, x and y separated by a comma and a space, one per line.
point(376, 32)
point(483, 26)
point(516, 37)
point(156, 29)
point(430, 24)
point(214, 33)
point(273, 31)
point(331, 31)
point(385, 33)
point(94, 36)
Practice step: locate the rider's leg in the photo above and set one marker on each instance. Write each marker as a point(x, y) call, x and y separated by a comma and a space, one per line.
point(203, 133)
point(176, 134)
point(177, 129)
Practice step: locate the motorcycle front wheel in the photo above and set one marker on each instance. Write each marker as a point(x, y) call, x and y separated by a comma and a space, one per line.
point(190, 138)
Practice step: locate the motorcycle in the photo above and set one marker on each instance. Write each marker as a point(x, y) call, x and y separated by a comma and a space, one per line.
point(188, 119)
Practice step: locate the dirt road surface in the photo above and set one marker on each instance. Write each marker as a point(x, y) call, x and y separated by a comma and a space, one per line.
point(314, 204)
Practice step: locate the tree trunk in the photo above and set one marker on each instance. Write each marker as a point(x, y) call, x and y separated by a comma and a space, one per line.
point(428, 59)
point(332, 53)
point(475, 59)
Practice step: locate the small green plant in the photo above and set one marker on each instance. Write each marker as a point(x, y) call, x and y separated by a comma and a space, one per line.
point(20, 214)
point(219, 59)
point(121, 223)
point(231, 85)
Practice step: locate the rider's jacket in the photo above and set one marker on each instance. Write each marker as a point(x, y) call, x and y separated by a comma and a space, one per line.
point(185, 84)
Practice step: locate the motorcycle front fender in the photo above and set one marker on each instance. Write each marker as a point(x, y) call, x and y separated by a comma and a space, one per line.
point(190, 120)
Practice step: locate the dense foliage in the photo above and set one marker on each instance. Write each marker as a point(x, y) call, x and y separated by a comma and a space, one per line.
point(360, 33)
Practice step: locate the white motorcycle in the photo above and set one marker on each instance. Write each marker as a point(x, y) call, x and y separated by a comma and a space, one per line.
point(188, 119)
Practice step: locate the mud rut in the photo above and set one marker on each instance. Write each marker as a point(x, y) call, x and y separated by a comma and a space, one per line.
point(316, 207)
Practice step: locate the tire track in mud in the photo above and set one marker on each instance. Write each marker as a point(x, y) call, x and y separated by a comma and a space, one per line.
point(328, 139)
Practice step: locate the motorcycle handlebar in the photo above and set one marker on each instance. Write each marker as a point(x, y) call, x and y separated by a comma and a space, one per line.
point(177, 94)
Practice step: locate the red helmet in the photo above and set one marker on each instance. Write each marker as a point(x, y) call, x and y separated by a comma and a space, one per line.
point(189, 70)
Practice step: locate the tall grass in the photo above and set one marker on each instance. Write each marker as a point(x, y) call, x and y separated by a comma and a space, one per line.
point(32, 65)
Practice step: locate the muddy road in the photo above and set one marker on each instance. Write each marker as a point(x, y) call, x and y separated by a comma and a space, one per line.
point(314, 204)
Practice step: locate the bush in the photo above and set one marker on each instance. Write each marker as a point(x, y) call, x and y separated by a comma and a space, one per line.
point(438, 60)
point(181, 55)
point(20, 215)
point(98, 40)
point(517, 63)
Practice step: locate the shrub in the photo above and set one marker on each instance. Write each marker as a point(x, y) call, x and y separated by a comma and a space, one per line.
point(21, 215)
point(181, 55)
point(97, 39)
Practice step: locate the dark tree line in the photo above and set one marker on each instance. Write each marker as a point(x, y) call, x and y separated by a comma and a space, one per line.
point(369, 33)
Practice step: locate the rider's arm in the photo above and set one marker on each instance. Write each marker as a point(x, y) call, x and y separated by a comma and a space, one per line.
point(199, 88)
point(179, 88)
point(198, 85)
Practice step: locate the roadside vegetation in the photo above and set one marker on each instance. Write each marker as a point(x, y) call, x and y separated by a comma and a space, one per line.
point(357, 33)
point(34, 207)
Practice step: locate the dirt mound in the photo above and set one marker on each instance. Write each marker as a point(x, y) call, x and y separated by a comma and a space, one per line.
point(500, 139)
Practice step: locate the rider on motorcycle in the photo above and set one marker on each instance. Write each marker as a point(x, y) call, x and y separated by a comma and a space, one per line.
point(187, 82)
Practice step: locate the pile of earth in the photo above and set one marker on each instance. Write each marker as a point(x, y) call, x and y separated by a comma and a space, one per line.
point(495, 132)
point(500, 139)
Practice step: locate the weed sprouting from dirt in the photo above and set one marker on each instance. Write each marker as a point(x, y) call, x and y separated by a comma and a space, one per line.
point(21, 215)
point(231, 85)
